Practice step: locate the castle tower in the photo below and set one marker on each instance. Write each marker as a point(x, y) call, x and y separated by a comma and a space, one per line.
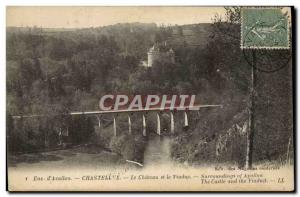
point(172, 55)
point(153, 55)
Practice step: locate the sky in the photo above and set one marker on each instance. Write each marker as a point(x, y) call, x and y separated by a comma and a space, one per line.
point(93, 16)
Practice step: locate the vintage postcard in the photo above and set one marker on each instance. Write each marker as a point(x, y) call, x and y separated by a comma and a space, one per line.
point(155, 98)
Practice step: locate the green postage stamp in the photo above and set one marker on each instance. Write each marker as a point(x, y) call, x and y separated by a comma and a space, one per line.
point(264, 28)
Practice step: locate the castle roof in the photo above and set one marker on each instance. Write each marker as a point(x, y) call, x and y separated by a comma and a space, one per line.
point(171, 50)
point(154, 48)
point(157, 48)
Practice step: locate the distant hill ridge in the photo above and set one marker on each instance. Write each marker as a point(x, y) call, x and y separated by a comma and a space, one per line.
point(190, 34)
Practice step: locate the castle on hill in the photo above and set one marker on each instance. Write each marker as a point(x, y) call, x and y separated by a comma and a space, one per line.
point(158, 53)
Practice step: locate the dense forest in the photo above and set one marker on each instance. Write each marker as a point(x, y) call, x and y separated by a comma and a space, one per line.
point(56, 71)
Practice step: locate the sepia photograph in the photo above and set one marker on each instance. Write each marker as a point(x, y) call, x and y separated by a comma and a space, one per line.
point(150, 98)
